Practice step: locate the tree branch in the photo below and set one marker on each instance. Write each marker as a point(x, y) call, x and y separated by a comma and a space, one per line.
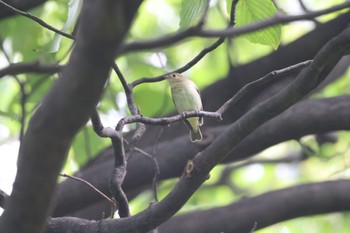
point(281, 205)
point(35, 19)
point(218, 114)
point(23, 5)
point(34, 67)
point(119, 171)
point(284, 204)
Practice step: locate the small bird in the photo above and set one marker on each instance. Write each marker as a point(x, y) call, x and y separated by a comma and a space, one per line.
point(186, 98)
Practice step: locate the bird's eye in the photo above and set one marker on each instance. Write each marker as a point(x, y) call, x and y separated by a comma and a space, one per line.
point(173, 75)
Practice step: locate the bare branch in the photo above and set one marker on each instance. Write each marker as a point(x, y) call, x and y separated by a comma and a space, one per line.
point(277, 19)
point(113, 204)
point(36, 19)
point(230, 32)
point(128, 89)
point(261, 81)
point(34, 67)
point(156, 172)
point(119, 170)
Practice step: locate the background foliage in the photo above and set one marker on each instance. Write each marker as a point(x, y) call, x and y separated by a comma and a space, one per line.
point(24, 40)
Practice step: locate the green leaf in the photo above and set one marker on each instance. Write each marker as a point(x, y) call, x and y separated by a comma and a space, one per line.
point(252, 11)
point(191, 12)
point(73, 13)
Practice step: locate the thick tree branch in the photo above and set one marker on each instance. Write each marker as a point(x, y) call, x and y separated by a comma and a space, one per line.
point(63, 111)
point(281, 205)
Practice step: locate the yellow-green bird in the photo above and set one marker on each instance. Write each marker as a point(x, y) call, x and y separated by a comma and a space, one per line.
point(186, 98)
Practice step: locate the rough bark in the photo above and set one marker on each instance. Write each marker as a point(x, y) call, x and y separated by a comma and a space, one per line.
point(266, 209)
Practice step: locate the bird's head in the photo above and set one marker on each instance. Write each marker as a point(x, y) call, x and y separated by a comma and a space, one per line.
point(174, 77)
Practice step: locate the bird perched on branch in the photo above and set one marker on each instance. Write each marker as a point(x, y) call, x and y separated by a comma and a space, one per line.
point(186, 98)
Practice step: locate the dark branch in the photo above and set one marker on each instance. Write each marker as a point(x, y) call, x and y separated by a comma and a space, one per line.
point(3, 199)
point(266, 209)
point(119, 170)
point(230, 32)
point(261, 81)
point(128, 89)
point(34, 67)
point(36, 19)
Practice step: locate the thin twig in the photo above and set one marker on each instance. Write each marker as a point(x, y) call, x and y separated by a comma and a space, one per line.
point(23, 100)
point(182, 69)
point(156, 172)
point(164, 120)
point(279, 18)
point(267, 78)
point(113, 204)
point(36, 19)
point(24, 97)
point(195, 60)
point(128, 89)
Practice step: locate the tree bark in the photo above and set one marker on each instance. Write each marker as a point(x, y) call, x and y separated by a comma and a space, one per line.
point(64, 110)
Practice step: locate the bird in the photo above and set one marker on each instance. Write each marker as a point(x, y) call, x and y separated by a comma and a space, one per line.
point(186, 98)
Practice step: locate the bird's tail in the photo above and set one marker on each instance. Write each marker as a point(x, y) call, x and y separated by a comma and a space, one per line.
point(196, 135)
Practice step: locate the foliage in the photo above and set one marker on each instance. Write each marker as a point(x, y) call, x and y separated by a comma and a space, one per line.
point(154, 99)
point(252, 11)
